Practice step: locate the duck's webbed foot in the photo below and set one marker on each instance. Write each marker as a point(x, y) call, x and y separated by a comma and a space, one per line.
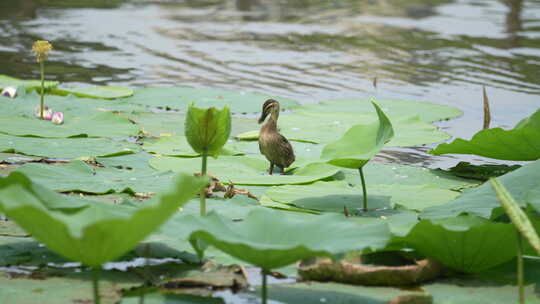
point(271, 169)
point(282, 170)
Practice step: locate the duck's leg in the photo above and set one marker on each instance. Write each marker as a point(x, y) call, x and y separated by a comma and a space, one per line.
point(282, 170)
point(271, 169)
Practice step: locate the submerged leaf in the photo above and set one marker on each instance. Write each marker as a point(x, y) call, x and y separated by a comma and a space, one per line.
point(481, 172)
point(95, 233)
point(520, 143)
point(207, 130)
point(360, 143)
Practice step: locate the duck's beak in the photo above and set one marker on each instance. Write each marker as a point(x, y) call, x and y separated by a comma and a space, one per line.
point(265, 112)
point(266, 109)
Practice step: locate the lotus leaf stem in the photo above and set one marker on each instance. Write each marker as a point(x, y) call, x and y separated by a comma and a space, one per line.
point(364, 191)
point(264, 291)
point(203, 191)
point(520, 268)
point(42, 97)
point(95, 284)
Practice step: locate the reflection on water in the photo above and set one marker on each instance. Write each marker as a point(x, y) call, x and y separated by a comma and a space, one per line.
point(440, 51)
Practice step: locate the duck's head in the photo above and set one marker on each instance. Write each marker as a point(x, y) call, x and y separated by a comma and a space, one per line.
point(270, 107)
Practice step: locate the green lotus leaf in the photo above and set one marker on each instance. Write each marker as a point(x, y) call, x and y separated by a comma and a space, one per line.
point(520, 143)
point(70, 105)
point(533, 198)
point(482, 201)
point(179, 98)
point(171, 298)
point(77, 176)
point(64, 288)
point(175, 233)
point(516, 215)
point(245, 170)
point(330, 292)
point(12, 158)
point(335, 196)
point(360, 143)
point(493, 287)
point(271, 239)
point(322, 127)
point(428, 112)
point(179, 146)
point(394, 174)
point(97, 233)
point(65, 147)
point(465, 243)
point(6, 81)
point(132, 161)
point(102, 92)
point(207, 130)
point(104, 124)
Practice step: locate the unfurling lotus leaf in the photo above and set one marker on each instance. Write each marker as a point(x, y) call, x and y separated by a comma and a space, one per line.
point(207, 129)
point(360, 143)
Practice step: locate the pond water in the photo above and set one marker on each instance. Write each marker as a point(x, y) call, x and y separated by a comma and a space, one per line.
point(441, 51)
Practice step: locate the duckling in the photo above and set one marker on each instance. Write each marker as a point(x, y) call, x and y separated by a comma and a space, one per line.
point(272, 144)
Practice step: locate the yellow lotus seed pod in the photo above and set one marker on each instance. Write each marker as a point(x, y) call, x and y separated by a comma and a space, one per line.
point(41, 49)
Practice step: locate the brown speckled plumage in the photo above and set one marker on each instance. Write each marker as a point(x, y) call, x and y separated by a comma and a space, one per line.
point(272, 144)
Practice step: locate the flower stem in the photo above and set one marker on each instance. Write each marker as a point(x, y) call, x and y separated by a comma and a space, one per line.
point(520, 268)
point(364, 191)
point(264, 291)
point(95, 284)
point(203, 191)
point(42, 98)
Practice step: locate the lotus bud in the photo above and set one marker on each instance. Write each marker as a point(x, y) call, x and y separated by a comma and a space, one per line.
point(207, 129)
point(10, 92)
point(58, 118)
point(47, 113)
point(41, 49)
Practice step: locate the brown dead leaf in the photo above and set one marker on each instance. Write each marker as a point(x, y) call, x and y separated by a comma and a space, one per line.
point(323, 269)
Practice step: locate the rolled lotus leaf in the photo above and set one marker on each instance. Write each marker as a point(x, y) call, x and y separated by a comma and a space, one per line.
point(207, 129)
